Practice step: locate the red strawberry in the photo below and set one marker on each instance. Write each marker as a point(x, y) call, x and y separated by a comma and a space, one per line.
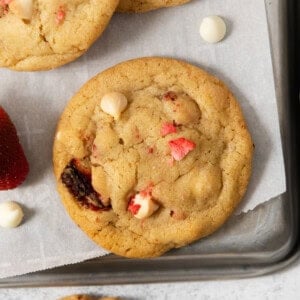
point(181, 147)
point(13, 163)
point(168, 128)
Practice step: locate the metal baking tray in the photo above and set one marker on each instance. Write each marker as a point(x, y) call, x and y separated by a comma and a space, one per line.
point(252, 244)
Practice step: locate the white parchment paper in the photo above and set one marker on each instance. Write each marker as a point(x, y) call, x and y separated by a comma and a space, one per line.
point(34, 101)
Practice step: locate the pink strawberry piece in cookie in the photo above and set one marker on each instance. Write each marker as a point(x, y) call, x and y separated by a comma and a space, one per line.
point(60, 15)
point(3, 3)
point(132, 207)
point(168, 128)
point(4, 7)
point(181, 147)
point(170, 96)
point(76, 177)
point(142, 205)
point(150, 150)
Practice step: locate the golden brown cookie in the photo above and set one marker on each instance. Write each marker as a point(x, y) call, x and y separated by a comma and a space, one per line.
point(147, 5)
point(151, 154)
point(44, 34)
point(78, 297)
point(87, 297)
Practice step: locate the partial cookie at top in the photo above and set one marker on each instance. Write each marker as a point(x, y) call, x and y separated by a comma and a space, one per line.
point(168, 170)
point(87, 297)
point(54, 33)
point(146, 5)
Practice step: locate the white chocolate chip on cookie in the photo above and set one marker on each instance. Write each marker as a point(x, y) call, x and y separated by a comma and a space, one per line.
point(11, 214)
point(142, 206)
point(212, 29)
point(114, 104)
point(22, 8)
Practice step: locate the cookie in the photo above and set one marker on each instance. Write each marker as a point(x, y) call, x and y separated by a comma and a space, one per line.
point(147, 5)
point(151, 154)
point(41, 35)
point(87, 297)
point(78, 297)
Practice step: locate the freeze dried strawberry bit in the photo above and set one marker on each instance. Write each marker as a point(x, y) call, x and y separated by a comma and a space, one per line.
point(77, 179)
point(142, 205)
point(150, 150)
point(4, 3)
point(14, 166)
point(60, 15)
point(4, 8)
point(171, 96)
point(181, 147)
point(168, 128)
point(132, 207)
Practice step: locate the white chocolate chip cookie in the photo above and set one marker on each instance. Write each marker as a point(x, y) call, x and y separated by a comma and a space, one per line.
point(169, 170)
point(44, 34)
point(147, 5)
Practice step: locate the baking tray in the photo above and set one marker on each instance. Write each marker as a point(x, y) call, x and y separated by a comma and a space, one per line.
point(252, 244)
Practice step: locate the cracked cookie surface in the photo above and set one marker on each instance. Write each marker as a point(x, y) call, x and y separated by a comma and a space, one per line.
point(58, 32)
point(147, 5)
point(169, 101)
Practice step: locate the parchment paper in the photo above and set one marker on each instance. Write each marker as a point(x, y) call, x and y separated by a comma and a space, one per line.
point(34, 101)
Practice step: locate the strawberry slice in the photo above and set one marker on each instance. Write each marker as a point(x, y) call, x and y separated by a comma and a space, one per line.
point(168, 128)
point(181, 147)
point(13, 163)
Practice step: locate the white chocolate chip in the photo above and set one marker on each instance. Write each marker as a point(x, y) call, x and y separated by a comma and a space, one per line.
point(147, 206)
point(11, 214)
point(212, 29)
point(22, 8)
point(114, 104)
point(58, 135)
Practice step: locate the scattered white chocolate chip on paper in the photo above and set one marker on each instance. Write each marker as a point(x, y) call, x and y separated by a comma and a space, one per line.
point(11, 214)
point(114, 104)
point(22, 8)
point(146, 206)
point(212, 29)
